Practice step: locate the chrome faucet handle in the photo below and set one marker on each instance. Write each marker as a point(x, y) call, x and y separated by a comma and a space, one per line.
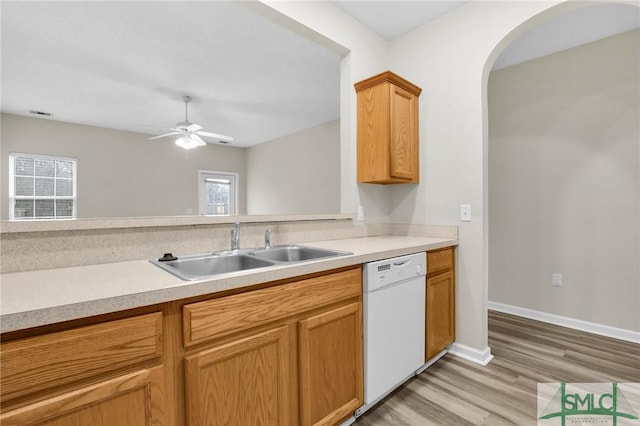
point(235, 236)
point(267, 238)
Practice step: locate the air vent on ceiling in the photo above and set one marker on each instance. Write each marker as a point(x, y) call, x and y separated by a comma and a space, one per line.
point(46, 114)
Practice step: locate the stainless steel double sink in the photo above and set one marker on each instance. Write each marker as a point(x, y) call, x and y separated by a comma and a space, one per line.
point(207, 265)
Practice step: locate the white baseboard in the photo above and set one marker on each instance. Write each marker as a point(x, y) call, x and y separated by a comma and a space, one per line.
point(576, 324)
point(482, 357)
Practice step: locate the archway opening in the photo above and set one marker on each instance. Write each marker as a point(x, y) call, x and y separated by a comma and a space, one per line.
point(562, 166)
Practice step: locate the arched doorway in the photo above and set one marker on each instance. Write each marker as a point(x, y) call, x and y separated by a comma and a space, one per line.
point(578, 208)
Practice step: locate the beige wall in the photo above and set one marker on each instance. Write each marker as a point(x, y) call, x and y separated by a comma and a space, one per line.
point(449, 58)
point(299, 173)
point(120, 174)
point(367, 54)
point(564, 183)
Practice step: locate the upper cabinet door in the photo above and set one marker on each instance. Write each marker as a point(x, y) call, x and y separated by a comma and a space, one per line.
point(388, 137)
point(403, 134)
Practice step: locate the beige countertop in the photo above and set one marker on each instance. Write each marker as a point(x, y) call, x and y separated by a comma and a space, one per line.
point(36, 298)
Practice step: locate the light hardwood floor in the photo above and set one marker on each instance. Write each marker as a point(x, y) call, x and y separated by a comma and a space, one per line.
point(457, 392)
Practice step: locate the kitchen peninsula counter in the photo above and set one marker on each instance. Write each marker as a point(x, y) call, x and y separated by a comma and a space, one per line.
point(42, 297)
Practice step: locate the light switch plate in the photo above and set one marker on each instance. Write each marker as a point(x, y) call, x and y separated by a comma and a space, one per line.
point(465, 213)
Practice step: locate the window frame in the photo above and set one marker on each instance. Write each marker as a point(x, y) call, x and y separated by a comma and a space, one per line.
point(12, 188)
point(233, 193)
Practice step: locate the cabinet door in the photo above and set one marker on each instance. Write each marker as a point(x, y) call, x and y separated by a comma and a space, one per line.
point(244, 382)
point(403, 134)
point(440, 314)
point(331, 365)
point(135, 399)
point(373, 158)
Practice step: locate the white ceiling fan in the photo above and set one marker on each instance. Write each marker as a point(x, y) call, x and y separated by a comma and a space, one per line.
point(191, 132)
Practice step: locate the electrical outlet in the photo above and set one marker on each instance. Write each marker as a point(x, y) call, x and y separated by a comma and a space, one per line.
point(361, 213)
point(465, 213)
point(556, 279)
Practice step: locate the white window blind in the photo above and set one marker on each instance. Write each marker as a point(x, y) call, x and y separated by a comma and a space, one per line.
point(42, 187)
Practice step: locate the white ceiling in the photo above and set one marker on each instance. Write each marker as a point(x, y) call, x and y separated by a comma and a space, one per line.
point(572, 29)
point(391, 19)
point(125, 65)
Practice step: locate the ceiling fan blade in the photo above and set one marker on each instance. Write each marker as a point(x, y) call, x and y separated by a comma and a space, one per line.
point(216, 135)
point(193, 127)
point(198, 139)
point(165, 135)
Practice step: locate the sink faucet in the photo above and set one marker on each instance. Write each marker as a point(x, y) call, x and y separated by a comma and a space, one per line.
point(267, 238)
point(235, 236)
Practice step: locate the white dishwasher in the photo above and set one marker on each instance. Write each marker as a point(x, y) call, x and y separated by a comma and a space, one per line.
point(394, 323)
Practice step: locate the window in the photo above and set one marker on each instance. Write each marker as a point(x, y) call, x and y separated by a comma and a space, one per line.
point(42, 187)
point(218, 192)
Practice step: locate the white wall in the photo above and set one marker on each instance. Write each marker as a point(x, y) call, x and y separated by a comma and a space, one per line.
point(367, 55)
point(564, 178)
point(120, 174)
point(450, 59)
point(299, 173)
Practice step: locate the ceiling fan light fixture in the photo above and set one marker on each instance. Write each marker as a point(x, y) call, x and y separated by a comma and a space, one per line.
point(187, 142)
point(191, 133)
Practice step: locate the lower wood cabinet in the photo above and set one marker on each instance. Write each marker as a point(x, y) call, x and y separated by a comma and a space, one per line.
point(440, 301)
point(109, 373)
point(134, 399)
point(243, 382)
point(331, 381)
point(286, 354)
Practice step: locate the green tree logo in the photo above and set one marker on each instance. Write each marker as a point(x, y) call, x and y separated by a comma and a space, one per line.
point(589, 405)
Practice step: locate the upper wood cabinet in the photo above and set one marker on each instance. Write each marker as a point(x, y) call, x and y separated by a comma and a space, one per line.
point(388, 139)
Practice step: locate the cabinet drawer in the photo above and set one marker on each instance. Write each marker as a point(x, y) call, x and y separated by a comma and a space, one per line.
point(131, 399)
point(219, 317)
point(439, 261)
point(56, 359)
